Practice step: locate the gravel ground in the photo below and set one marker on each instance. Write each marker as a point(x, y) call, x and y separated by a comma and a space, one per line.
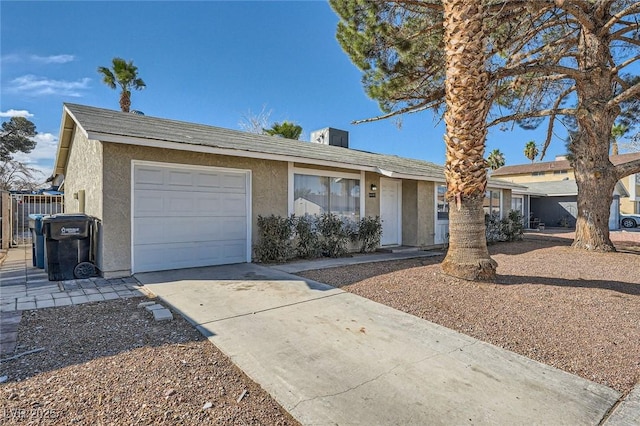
point(110, 363)
point(574, 310)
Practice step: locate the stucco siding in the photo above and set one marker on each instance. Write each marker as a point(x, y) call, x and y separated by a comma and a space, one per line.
point(83, 179)
point(83, 173)
point(371, 204)
point(631, 204)
point(418, 210)
point(506, 202)
point(268, 192)
point(410, 212)
point(426, 217)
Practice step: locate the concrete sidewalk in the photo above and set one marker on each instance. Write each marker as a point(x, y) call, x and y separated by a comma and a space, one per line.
point(331, 357)
point(356, 259)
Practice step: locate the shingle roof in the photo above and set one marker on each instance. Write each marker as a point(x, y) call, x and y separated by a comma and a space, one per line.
point(115, 123)
point(109, 125)
point(567, 187)
point(518, 169)
point(553, 188)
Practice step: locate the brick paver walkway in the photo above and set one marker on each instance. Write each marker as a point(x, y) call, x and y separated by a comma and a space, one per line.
point(23, 286)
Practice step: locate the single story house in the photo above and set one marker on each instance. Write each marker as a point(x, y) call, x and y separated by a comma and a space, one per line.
point(552, 193)
point(172, 194)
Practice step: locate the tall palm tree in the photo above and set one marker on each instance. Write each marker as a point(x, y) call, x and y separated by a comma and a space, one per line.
point(531, 151)
point(495, 159)
point(125, 74)
point(617, 131)
point(467, 99)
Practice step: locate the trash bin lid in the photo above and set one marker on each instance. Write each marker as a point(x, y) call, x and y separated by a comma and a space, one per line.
point(67, 226)
point(64, 217)
point(35, 222)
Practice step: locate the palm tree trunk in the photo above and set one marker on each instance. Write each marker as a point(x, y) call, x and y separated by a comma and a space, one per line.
point(466, 91)
point(125, 100)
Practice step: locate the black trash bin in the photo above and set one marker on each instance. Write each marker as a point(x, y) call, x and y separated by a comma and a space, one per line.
point(69, 242)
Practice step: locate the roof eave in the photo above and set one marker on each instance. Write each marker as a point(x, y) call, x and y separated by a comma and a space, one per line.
point(182, 146)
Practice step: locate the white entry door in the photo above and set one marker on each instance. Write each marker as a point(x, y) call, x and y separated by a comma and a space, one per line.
point(187, 217)
point(391, 211)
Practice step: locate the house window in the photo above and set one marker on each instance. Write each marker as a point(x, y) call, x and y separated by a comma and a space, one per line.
point(537, 174)
point(516, 204)
point(443, 206)
point(560, 172)
point(317, 194)
point(491, 203)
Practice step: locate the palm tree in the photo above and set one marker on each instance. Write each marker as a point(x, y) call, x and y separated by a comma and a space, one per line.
point(495, 160)
point(467, 99)
point(125, 74)
point(286, 130)
point(617, 131)
point(531, 151)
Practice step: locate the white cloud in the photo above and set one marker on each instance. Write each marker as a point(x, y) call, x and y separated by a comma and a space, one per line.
point(16, 113)
point(52, 59)
point(43, 155)
point(11, 58)
point(41, 86)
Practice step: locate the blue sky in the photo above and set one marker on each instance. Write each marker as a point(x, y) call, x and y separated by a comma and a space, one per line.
point(206, 62)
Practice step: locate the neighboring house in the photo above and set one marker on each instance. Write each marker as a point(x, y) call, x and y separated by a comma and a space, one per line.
point(172, 194)
point(551, 197)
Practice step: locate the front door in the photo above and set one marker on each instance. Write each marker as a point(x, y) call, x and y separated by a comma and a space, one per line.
point(390, 211)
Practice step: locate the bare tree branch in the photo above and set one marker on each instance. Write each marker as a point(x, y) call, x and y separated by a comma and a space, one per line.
point(626, 169)
point(630, 93)
point(532, 114)
point(615, 19)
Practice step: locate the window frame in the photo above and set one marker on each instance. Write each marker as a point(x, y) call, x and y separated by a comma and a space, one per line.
point(293, 170)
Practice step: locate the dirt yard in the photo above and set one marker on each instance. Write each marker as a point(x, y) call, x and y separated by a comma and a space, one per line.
point(574, 310)
point(111, 363)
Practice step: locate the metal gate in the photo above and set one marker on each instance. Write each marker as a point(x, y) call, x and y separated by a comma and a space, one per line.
point(22, 205)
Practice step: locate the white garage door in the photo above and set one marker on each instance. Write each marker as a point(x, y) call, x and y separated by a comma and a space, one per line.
point(185, 217)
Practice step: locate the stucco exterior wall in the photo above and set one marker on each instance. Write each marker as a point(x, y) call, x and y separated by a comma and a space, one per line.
point(371, 205)
point(631, 204)
point(418, 213)
point(506, 202)
point(268, 193)
point(83, 173)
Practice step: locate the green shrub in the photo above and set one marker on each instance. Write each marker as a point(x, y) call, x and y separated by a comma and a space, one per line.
point(274, 239)
point(369, 233)
point(493, 228)
point(308, 243)
point(335, 235)
point(514, 226)
point(510, 228)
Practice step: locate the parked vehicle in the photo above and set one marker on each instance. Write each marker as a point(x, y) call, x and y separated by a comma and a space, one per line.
point(630, 220)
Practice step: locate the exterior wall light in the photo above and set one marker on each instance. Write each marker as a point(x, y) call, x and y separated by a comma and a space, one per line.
point(374, 187)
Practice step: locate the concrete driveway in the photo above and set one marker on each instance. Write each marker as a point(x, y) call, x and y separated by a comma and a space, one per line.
point(330, 357)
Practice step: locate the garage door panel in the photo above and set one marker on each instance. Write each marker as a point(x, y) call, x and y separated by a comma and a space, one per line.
point(188, 218)
point(148, 177)
point(180, 179)
point(190, 255)
point(148, 203)
point(235, 182)
point(208, 180)
point(163, 231)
